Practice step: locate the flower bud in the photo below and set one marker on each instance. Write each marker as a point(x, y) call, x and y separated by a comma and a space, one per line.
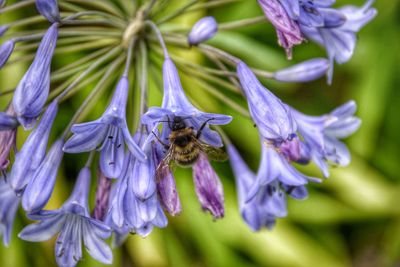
point(5, 51)
point(303, 72)
point(203, 30)
point(3, 29)
point(48, 9)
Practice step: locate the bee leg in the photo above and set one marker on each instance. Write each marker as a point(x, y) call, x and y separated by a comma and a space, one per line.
point(161, 142)
point(202, 127)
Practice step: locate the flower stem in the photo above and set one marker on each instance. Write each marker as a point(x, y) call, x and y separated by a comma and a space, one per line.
point(159, 36)
point(241, 23)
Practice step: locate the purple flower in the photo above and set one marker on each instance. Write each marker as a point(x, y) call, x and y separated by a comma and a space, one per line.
point(340, 41)
point(5, 51)
point(38, 191)
point(31, 155)
point(321, 134)
point(303, 72)
point(73, 223)
point(48, 9)
point(203, 30)
point(273, 119)
point(33, 89)
point(3, 29)
point(103, 192)
point(8, 135)
point(134, 204)
point(175, 103)
point(270, 200)
point(274, 166)
point(8, 208)
point(287, 29)
point(208, 187)
point(110, 132)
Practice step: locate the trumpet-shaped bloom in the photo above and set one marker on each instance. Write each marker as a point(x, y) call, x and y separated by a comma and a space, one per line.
point(134, 204)
point(321, 135)
point(38, 191)
point(74, 224)
point(208, 187)
point(175, 103)
point(8, 208)
point(270, 201)
point(33, 89)
point(48, 9)
point(273, 119)
point(31, 155)
point(110, 131)
point(203, 30)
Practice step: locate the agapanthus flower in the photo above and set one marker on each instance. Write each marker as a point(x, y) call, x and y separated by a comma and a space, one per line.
point(135, 205)
point(306, 71)
point(175, 103)
point(203, 30)
point(208, 187)
point(8, 208)
point(5, 51)
point(287, 29)
point(48, 9)
point(321, 135)
point(103, 191)
point(270, 201)
point(272, 117)
point(340, 41)
point(33, 89)
point(39, 189)
point(32, 153)
point(110, 131)
point(74, 224)
point(8, 135)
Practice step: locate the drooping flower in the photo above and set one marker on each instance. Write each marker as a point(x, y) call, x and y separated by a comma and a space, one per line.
point(8, 208)
point(38, 191)
point(270, 201)
point(303, 72)
point(31, 155)
point(208, 187)
point(321, 135)
point(8, 135)
point(273, 119)
point(33, 89)
point(203, 30)
point(175, 103)
point(48, 9)
point(104, 186)
point(166, 186)
point(340, 41)
point(74, 224)
point(110, 131)
point(287, 29)
point(5, 51)
point(135, 206)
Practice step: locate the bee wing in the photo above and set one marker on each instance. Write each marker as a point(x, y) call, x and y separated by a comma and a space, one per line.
point(165, 165)
point(214, 153)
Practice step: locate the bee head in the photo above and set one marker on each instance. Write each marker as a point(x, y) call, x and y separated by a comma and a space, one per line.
point(178, 123)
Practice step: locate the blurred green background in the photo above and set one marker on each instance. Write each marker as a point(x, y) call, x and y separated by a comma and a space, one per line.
point(351, 219)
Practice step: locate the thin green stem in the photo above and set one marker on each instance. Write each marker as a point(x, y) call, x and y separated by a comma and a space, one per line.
point(103, 5)
point(95, 64)
point(143, 78)
point(18, 5)
point(159, 36)
point(241, 23)
point(177, 12)
point(128, 62)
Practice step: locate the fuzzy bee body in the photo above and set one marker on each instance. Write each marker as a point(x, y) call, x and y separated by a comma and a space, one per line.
point(184, 147)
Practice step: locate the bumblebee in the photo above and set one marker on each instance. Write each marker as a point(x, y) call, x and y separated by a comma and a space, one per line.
point(185, 147)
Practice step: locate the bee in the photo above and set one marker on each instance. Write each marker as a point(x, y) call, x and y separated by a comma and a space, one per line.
point(185, 147)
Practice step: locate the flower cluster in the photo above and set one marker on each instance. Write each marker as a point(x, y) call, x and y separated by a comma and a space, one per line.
point(136, 189)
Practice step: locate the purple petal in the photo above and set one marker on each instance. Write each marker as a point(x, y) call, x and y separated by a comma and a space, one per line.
point(303, 72)
point(96, 247)
point(48, 9)
point(208, 187)
point(7, 122)
point(43, 230)
point(5, 51)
